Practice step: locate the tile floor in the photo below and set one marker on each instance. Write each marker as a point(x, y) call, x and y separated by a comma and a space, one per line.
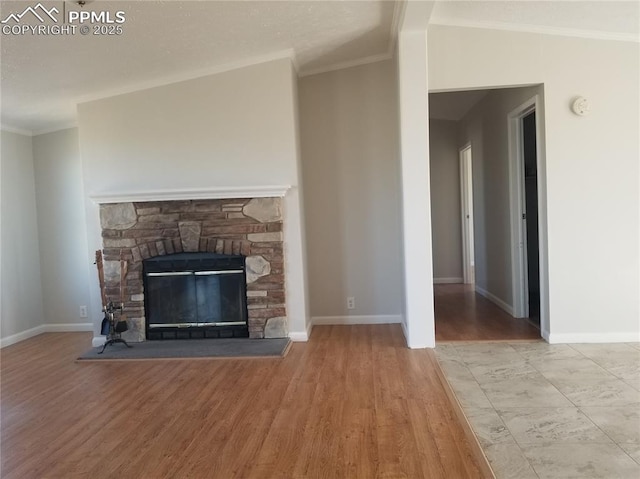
point(550, 411)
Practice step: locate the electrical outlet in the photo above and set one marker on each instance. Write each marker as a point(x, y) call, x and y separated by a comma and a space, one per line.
point(351, 302)
point(83, 312)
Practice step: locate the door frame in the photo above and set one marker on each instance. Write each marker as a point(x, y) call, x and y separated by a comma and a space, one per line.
point(466, 179)
point(517, 210)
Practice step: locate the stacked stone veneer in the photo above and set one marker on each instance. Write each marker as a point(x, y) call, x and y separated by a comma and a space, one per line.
point(250, 227)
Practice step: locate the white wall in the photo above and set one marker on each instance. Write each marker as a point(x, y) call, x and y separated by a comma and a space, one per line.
point(351, 173)
point(591, 163)
point(446, 227)
point(419, 326)
point(298, 249)
point(21, 303)
point(236, 128)
point(62, 228)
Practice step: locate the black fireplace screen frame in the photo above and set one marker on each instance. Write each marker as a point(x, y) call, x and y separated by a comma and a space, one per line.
point(195, 295)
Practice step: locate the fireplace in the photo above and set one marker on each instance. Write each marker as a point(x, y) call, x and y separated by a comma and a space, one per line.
point(195, 295)
point(232, 234)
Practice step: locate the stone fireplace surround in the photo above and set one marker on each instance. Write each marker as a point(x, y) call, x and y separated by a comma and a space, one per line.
point(249, 226)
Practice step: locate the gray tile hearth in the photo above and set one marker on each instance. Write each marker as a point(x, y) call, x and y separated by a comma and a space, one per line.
point(581, 461)
point(633, 450)
point(508, 461)
point(539, 425)
point(531, 392)
point(550, 411)
point(622, 424)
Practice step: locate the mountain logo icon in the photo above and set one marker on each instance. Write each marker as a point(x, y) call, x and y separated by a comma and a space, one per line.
point(39, 11)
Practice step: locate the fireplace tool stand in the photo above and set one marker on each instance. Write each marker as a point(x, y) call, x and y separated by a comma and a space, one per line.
point(114, 329)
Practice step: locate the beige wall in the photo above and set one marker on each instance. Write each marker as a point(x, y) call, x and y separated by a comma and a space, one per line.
point(21, 297)
point(592, 164)
point(62, 227)
point(485, 128)
point(231, 129)
point(351, 173)
point(446, 228)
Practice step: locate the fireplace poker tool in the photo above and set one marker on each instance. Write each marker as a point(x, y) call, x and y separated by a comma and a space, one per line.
point(111, 327)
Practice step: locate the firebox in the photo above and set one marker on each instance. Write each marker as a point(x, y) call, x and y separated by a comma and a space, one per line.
point(195, 295)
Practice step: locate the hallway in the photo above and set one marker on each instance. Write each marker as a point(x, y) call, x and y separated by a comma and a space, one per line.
point(464, 315)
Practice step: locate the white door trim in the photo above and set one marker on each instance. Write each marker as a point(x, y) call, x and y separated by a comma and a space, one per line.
point(467, 233)
point(517, 208)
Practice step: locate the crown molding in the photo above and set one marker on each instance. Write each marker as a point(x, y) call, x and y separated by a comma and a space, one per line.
point(169, 80)
point(539, 29)
point(348, 64)
point(396, 21)
point(18, 131)
point(295, 63)
point(62, 126)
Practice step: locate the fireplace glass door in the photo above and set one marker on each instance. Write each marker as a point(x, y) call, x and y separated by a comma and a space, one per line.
point(195, 295)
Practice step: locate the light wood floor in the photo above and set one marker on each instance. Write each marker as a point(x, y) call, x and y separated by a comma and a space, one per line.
point(464, 315)
point(353, 402)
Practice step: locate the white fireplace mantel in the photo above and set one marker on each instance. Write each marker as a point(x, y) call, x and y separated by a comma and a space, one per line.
point(193, 194)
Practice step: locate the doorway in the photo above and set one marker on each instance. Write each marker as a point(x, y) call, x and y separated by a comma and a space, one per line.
point(529, 297)
point(530, 217)
point(500, 214)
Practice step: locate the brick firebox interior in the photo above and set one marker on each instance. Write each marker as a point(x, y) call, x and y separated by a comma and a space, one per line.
point(251, 227)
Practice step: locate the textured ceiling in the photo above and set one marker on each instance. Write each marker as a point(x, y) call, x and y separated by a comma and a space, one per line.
point(42, 78)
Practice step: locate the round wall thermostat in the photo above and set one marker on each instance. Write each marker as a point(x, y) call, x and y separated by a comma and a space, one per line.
point(580, 106)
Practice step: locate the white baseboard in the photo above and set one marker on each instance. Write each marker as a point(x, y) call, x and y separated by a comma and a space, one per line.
point(545, 335)
point(447, 280)
point(68, 327)
point(298, 337)
point(301, 336)
point(412, 344)
point(45, 328)
point(16, 338)
point(375, 319)
point(613, 337)
point(494, 299)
